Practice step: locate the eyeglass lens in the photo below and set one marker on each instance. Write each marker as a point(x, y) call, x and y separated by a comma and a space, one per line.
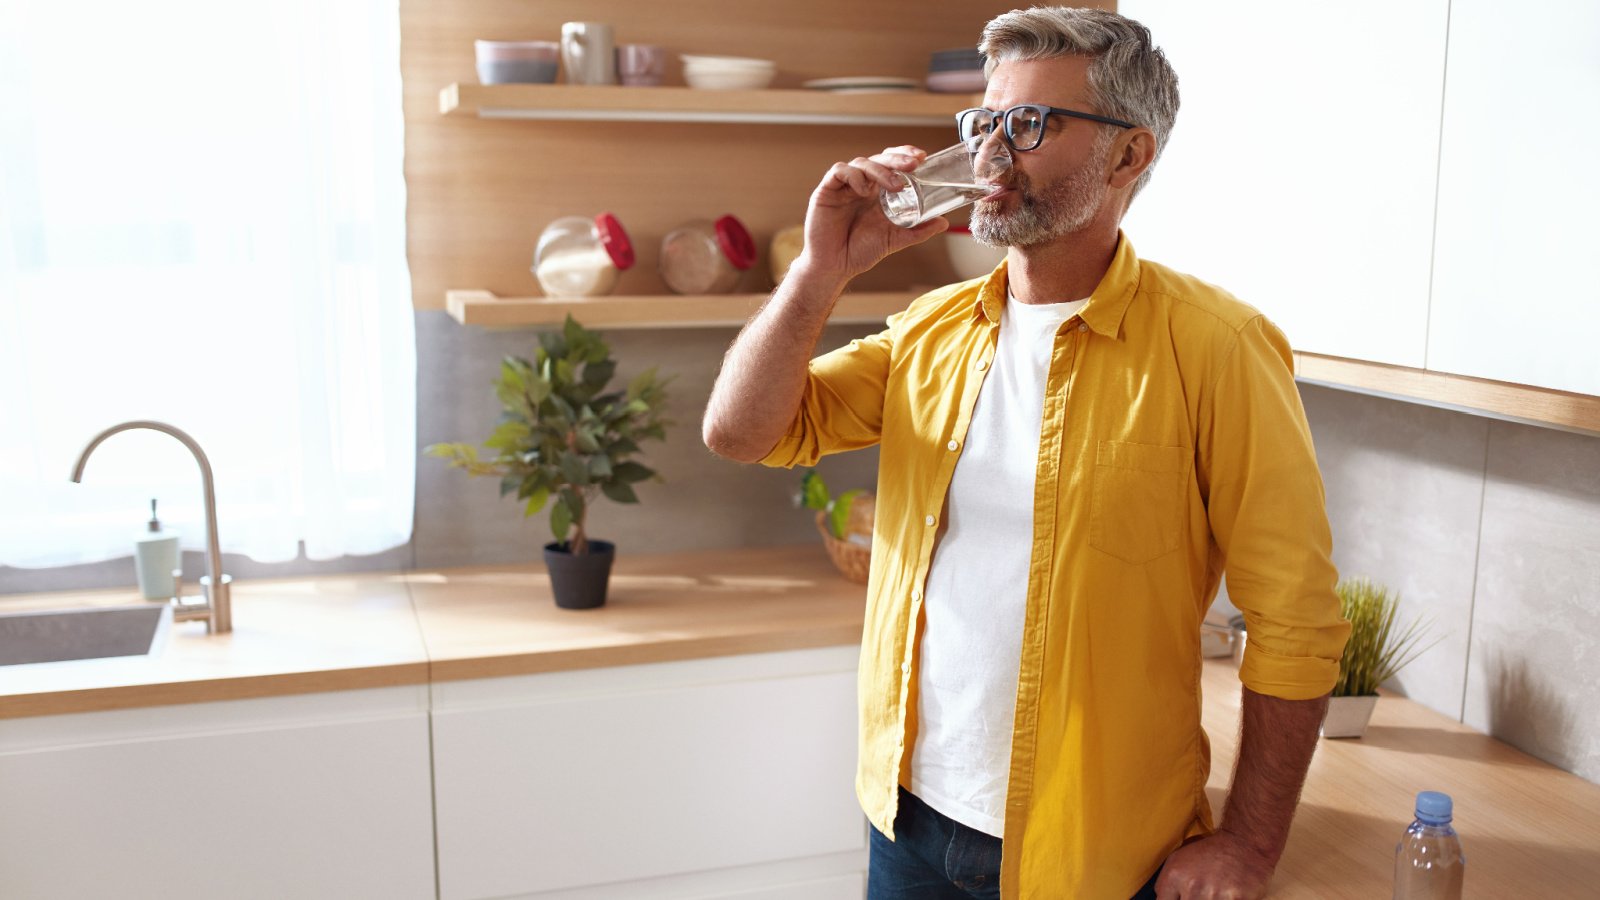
point(1024, 125)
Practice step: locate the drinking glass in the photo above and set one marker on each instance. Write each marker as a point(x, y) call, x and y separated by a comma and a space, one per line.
point(947, 180)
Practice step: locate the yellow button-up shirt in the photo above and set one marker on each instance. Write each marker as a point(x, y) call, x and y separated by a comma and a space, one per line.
point(1173, 446)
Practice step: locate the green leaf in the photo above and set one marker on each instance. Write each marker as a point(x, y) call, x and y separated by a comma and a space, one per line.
point(622, 447)
point(553, 346)
point(599, 468)
point(509, 394)
point(641, 382)
point(584, 441)
point(572, 331)
point(565, 411)
point(537, 500)
point(538, 390)
point(564, 371)
point(619, 492)
point(509, 436)
point(597, 374)
point(560, 519)
point(813, 492)
point(631, 472)
point(839, 512)
point(574, 469)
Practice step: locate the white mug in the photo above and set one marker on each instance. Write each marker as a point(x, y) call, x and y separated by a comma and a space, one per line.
point(588, 53)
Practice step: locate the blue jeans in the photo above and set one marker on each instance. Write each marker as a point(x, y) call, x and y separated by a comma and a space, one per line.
point(934, 857)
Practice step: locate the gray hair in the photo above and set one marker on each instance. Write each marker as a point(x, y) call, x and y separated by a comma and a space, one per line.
point(1129, 79)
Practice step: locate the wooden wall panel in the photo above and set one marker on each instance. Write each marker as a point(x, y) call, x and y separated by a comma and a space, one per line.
point(480, 191)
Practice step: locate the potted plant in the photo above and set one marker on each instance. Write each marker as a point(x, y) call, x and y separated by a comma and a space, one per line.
point(563, 441)
point(845, 522)
point(1375, 651)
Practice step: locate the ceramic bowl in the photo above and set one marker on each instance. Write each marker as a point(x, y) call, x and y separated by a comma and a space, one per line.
point(517, 62)
point(969, 258)
point(728, 73)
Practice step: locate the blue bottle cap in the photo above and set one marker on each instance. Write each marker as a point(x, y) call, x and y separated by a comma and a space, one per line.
point(1433, 808)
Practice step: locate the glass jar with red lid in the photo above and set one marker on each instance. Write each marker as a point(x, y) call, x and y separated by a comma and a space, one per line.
point(704, 257)
point(582, 257)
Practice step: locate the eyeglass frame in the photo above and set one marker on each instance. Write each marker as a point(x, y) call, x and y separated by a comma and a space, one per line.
point(1004, 115)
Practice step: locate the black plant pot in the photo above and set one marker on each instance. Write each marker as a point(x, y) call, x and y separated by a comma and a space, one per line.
point(580, 582)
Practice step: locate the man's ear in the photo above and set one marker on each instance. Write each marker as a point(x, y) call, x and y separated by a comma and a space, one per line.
point(1131, 154)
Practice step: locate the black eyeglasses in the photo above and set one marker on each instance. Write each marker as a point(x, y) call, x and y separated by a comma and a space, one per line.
point(1023, 125)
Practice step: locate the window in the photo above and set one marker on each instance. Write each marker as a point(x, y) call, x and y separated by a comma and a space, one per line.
point(202, 222)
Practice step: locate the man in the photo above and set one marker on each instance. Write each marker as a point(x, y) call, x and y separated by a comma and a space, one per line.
point(1072, 451)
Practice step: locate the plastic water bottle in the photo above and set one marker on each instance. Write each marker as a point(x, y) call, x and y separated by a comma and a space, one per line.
point(1428, 863)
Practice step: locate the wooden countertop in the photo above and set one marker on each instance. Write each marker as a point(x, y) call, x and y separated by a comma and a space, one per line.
point(1529, 829)
point(378, 629)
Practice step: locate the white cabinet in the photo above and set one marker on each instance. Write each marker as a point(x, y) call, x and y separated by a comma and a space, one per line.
point(1300, 174)
point(1515, 293)
point(320, 795)
point(722, 777)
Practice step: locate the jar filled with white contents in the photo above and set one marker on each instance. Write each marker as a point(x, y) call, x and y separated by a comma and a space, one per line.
point(703, 257)
point(579, 257)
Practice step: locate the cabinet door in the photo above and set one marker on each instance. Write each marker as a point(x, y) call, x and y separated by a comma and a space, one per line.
point(1515, 293)
point(325, 795)
point(553, 782)
point(1300, 174)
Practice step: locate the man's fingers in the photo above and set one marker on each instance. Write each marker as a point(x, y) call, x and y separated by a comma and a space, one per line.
point(886, 178)
point(849, 177)
point(907, 237)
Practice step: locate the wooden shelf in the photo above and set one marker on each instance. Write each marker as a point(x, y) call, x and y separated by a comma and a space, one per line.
point(660, 311)
point(1545, 407)
point(681, 104)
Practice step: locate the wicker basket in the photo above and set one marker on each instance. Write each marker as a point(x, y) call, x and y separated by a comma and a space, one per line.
point(851, 559)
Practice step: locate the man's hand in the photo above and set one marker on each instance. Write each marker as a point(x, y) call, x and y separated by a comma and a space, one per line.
point(1218, 867)
point(846, 231)
point(1276, 741)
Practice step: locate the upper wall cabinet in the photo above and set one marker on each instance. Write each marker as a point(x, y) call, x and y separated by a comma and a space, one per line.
point(1514, 292)
point(1300, 174)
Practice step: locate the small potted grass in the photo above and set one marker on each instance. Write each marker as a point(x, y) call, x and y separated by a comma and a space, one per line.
point(1377, 649)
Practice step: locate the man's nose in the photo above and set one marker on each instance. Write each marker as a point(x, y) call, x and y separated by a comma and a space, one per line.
point(993, 159)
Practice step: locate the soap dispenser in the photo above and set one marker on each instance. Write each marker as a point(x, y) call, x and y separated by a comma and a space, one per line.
point(155, 556)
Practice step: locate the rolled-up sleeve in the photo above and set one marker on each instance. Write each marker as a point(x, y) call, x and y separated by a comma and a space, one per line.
point(842, 406)
point(1267, 511)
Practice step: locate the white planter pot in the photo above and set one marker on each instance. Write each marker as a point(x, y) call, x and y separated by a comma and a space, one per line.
point(1347, 716)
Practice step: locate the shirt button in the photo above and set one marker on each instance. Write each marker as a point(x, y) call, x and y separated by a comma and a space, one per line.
point(906, 668)
point(952, 445)
point(982, 364)
point(927, 520)
point(916, 595)
point(1082, 327)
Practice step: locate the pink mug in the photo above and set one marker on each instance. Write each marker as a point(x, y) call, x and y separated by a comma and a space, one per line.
point(640, 65)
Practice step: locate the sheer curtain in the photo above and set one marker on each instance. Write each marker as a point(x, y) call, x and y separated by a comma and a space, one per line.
point(202, 222)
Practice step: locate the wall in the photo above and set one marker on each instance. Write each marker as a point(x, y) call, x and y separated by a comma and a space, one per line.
point(1491, 530)
point(703, 502)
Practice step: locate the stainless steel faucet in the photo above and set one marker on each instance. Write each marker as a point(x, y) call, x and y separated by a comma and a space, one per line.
point(217, 611)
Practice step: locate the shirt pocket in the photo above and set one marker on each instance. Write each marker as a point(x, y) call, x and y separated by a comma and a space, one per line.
point(1136, 505)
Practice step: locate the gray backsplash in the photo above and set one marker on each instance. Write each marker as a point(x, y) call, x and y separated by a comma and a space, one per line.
point(1489, 529)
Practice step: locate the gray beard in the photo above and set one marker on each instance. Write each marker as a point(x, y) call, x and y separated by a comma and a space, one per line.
point(1043, 216)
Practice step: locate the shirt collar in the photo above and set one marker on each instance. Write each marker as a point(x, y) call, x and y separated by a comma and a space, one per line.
point(1107, 305)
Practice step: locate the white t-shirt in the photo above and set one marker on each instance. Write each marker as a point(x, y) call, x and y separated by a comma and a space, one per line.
point(976, 594)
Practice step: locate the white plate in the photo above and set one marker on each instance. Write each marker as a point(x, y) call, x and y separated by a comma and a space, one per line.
point(863, 83)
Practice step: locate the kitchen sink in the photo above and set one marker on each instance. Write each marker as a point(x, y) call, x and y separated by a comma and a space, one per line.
point(88, 633)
